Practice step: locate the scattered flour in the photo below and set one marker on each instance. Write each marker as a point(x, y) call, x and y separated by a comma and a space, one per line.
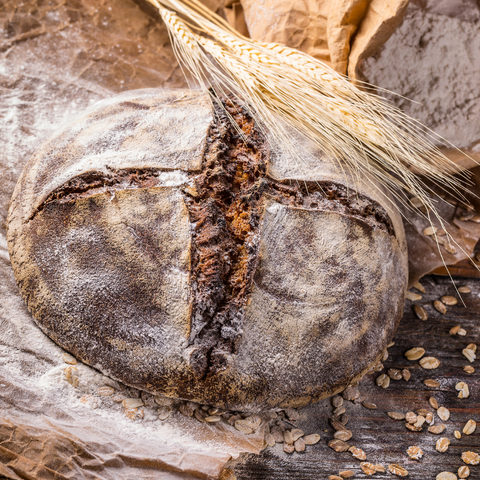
point(434, 59)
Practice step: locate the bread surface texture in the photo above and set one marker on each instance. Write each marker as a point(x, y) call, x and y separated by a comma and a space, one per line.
point(154, 242)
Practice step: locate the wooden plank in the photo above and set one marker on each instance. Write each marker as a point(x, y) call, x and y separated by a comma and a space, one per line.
point(461, 269)
point(384, 440)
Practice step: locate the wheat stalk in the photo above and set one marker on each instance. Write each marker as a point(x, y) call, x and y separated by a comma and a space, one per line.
point(356, 129)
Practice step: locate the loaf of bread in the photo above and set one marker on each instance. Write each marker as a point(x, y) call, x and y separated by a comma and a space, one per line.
point(180, 255)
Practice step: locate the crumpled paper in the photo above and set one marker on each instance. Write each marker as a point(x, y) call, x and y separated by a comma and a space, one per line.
point(437, 38)
point(233, 12)
point(340, 33)
point(433, 58)
point(301, 24)
point(58, 58)
point(426, 252)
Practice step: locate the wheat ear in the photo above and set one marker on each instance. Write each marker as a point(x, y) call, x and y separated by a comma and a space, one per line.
point(356, 129)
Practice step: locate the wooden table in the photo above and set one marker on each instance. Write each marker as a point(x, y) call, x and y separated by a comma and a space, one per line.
point(384, 440)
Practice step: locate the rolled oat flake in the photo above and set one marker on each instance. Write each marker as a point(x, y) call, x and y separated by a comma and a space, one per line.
point(415, 353)
point(436, 429)
point(446, 476)
point(471, 458)
point(429, 363)
point(368, 468)
point(442, 444)
point(420, 312)
point(463, 472)
point(443, 413)
point(396, 415)
point(383, 380)
point(414, 452)
point(439, 306)
point(398, 470)
point(470, 427)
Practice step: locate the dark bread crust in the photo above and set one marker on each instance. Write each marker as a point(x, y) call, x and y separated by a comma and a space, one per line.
point(197, 289)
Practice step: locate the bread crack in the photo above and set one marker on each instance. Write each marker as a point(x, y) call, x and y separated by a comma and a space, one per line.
point(225, 202)
point(96, 182)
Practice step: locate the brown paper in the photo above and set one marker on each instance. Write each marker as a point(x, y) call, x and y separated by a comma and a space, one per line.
point(436, 42)
point(424, 254)
point(339, 32)
point(405, 66)
point(344, 19)
point(233, 12)
point(466, 158)
point(354, 30)
point(216, 5)
point(300, 24)
point(381, 19)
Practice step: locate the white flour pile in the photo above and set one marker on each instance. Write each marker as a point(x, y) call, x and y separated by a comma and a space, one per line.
point(434, 59)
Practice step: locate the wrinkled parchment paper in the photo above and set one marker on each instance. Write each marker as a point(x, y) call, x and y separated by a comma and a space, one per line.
point(433, 59)
point(58, 58)
point(343, 33)
point(427, 252)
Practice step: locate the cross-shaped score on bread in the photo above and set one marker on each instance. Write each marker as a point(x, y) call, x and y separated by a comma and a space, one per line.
point(174, 246)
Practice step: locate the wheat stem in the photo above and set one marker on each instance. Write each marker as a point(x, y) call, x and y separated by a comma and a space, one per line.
point(356, 129)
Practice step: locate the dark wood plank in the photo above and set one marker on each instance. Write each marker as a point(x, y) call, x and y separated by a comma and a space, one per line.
point(461, 269)
point(384, 440)
point(464, 268)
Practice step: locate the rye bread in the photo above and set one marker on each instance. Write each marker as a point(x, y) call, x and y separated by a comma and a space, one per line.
point(154, 242)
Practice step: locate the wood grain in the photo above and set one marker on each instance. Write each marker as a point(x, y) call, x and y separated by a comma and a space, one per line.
point(461, 269)
point(385, 440)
